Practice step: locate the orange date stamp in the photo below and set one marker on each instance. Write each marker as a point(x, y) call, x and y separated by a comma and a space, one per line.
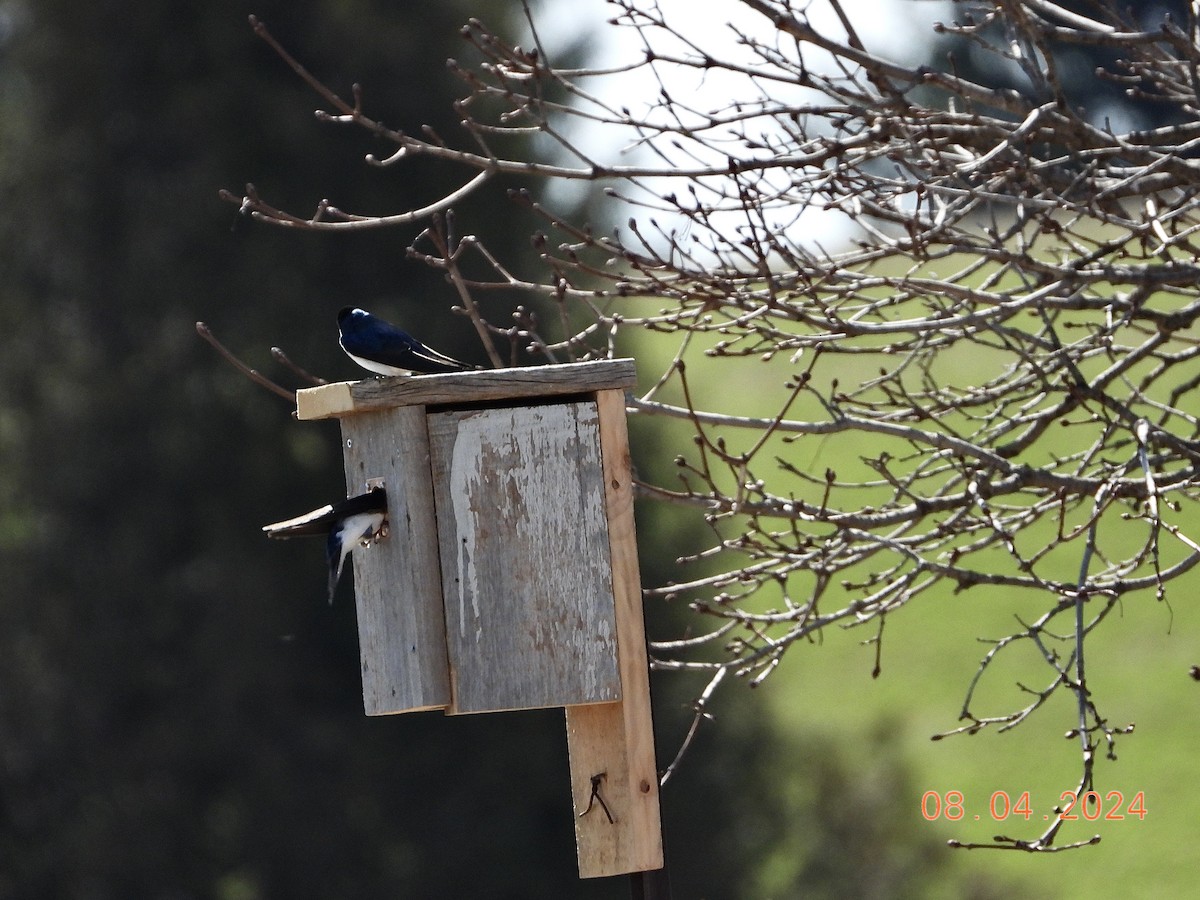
point(1090, 806)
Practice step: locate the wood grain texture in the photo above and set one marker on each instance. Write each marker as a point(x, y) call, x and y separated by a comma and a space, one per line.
point(401, 625)
point(617, 739)
point(348, 397)
point(525, 560)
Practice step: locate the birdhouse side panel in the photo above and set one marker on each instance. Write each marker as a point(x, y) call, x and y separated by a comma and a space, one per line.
point(401, 625)
point(526, 568)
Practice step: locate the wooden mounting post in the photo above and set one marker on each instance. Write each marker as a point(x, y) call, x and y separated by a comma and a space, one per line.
point(509, 578)
point(616, 740)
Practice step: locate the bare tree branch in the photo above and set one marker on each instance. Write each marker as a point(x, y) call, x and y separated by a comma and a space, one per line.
point(960, 318)
point(253, 374)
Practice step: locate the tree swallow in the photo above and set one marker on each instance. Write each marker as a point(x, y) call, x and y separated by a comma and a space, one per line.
point(360, 519)
point(379, 346)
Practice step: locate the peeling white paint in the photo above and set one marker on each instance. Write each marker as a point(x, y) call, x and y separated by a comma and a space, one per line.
point(524, 536)
point(465, 476)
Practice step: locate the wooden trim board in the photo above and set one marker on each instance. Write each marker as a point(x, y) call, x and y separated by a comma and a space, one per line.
point(349, 397)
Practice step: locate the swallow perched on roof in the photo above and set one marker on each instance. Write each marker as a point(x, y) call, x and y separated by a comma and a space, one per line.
point(380, 347)
point(356, 519)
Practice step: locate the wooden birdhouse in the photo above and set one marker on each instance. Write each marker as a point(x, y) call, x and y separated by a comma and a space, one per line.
point(509, 576)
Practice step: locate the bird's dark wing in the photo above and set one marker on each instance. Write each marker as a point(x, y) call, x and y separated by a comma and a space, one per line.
point(318, 521)
point(431, 358)
point(371, 338)
point(402, 351)
point(321, 521)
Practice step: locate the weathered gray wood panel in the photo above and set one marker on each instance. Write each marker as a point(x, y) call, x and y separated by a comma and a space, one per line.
point(525, 557)
point(401, 625)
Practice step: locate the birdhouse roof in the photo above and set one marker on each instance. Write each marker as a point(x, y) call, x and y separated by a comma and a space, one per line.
point(346, 398)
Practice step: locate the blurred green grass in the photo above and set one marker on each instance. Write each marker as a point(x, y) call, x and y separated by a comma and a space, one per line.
point(1137, 662)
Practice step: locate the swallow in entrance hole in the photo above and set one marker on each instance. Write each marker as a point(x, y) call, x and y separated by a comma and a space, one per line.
point(380, 347)
point(360, 519)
